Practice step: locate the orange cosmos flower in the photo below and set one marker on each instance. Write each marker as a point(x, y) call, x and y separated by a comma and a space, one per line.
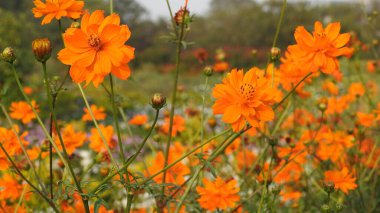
point(330, 87)
point(22, 111)
point(366, 120)
point(71, 139)
point(356, 90)
point(322, 48)
point(10, 188)
point(175, 174)
point(97, 49)
point(220, 66)
point(244, 98)
point(138, 120)
point(98, 113)
point(57, 9)
point(96, 142)
point(178, 125)
point(219, 194)
point(10, 142)
point(342, 179)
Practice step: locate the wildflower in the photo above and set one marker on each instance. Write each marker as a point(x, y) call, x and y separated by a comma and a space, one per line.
point(220, 66)
point(371, 66)
point(219, 194)
point(21, 110)
point(97, 49)
point(57, 9)
point(175, 174)
point(244, 98)
point(182, 15)
point(201, 54)
point(98, 113)
point(366, 120)
point(356, 90)
point(11, 144)
point(290, 194)
point(10, 188)
point(342, 179)
point(178, 125)
point(71, 139)
point(330, 87)
point(96, 142)
point(322, 48)
point(138, 120)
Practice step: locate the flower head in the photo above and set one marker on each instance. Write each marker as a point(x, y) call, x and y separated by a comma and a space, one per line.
point(342, 179)
point(178, 125)
point(138, 119)
point(219, 194)
point(322, 48)
point(96, 142)
point(98, 113)
point(22, 111)
point(71, 139)
point(57, 9)
point(244, 98)
point(97, 49)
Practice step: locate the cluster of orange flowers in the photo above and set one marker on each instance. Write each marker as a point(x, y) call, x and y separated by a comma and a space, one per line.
point(245, 101)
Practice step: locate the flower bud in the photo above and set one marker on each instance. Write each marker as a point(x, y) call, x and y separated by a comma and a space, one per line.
point(8, 55)
point(322, 104)
point(325, 208)
point(339, 207)
point(104, 171)
point(207, 71)
point(275, 53)
point(181, 15)
point(75, 24)
point(42, 49)
point(211, 122)
point(329, 187)
point(158, 101)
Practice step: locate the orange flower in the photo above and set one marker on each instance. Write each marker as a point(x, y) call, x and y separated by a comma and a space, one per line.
point(97, 49)
point(71, 139)
point(371, 66)
point(138, 120)
point(221, 66)
point(219, 194)
point(332, 145)
point(330, 87)
point(98, 113)
point(322, 48)
point(10, 142)
point(57, 9)
point(366, 120)
point(233, 147)
point(245, 159)
point(355, 90)
point(290, 194)
point(22, 111)
point(10, 188)
point(178, 125)
point(341, 179)
point(96, 142)
point(244, 98)
point(175, 174)
point(28, 90)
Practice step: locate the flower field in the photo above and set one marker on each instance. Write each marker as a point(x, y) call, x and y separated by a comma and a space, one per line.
point(295, 131)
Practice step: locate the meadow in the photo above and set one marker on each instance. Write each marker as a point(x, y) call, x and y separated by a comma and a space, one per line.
point(102, 111)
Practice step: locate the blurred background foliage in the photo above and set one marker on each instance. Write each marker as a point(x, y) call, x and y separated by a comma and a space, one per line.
point(237, 26)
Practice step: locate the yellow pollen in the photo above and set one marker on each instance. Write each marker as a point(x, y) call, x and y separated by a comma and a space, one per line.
point(94, 41)
point(247, 90)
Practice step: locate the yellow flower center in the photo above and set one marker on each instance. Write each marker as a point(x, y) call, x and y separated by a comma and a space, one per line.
point(247, 90)
point(94, 42)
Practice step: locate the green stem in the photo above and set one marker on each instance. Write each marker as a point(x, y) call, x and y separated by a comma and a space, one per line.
point(51, 103)
point(21, 198)
point(47, 199)
point(203, 109)
point(116, 121)
point(131, 160)
point(165, 168)
point(292, 90)
point(97, 126)
point(178, 56)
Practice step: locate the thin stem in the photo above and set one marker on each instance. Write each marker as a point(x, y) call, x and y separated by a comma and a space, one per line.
point(97, 126)
point(165, 168)
point(130, 161)
point(178, 56)
point(203, 108)
point(292, 90)
point(116, 120)
point(10, 122)
point(47, 199)
point(51, 103)
point(21, 198)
